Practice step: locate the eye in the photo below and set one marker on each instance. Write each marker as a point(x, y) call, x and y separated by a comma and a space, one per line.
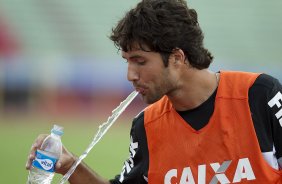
point(139, 61)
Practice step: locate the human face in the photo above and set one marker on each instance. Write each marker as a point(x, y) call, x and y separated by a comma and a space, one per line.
point(148, 74)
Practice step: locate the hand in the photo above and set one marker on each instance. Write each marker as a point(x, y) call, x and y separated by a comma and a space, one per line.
point(63, 164)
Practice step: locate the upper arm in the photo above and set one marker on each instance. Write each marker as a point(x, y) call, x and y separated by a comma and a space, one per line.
point(265, 100)
point(135, 167)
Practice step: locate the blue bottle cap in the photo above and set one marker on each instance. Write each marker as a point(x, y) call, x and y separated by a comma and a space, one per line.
point(58, 130)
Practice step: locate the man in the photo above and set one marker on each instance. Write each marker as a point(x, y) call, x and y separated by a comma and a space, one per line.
point(201, 126)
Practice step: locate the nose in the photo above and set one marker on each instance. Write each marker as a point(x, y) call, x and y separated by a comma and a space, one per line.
point(132, 72)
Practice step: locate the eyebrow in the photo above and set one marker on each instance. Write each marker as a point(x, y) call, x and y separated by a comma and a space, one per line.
point(133, 57)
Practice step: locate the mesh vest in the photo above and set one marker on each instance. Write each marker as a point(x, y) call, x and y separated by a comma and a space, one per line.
point(226, 150)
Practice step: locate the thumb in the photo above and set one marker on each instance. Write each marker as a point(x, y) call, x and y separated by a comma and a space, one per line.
point(58, 165)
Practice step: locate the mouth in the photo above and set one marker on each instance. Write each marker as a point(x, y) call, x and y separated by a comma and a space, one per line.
point(140, 90)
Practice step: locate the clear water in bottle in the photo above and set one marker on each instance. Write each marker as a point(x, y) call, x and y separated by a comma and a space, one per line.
point(43, 166)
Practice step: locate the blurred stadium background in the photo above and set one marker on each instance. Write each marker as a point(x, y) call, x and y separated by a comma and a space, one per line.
point(58, 65)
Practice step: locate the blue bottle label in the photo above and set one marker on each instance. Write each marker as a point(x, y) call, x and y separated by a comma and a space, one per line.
point(44, 162)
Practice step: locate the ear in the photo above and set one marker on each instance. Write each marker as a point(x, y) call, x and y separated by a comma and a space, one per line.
point(178, 56)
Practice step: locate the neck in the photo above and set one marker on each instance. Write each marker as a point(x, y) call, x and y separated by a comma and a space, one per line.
point(195, 87)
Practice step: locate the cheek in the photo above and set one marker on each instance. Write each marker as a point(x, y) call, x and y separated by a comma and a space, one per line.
point(160, 81)
point(148, 74)
point(166, 81)
point(156, 75)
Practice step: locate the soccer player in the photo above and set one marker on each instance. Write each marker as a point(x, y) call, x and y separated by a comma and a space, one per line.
point(200, 126)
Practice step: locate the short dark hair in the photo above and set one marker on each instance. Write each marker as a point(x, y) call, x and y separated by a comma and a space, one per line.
point(163, 25)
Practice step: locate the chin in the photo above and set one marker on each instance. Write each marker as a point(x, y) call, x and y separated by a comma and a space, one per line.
point(146, 100)
point(150, 100)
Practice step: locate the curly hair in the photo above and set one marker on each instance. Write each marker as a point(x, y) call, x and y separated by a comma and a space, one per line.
point(163, 25)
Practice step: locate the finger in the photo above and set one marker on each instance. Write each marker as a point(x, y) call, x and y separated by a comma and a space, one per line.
point(64, 163)
point(36, 145)
point(30, 158)
point(39, 140)
point(58, 165)
point(61, 162)
point(31, 155)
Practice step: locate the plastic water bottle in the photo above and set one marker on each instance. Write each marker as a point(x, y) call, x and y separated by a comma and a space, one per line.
point(43, 166)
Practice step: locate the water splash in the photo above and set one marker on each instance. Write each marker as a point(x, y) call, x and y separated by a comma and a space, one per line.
point(103, 128)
